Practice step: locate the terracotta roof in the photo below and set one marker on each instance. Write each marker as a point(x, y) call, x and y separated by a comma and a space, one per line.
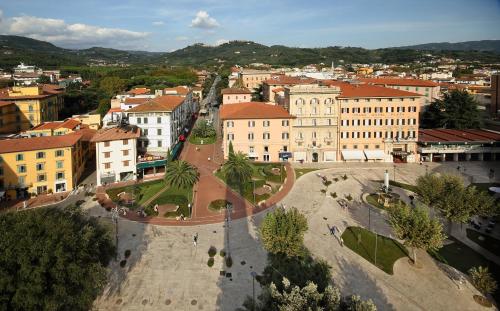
point(39, 143)
point(278, 89)
point(87, 134)
point(139, 91)
point(4, 103)
point(52, 89)
point(458, 136)
point(231, 90)
point(47, 92)
point(161, 103)
point(287, 80)
point(253, 110)
point(135, 100)
point(399, 81)
point(179, 90)
point(117, 109)
point(69, 124)
point(116, 133)
point(348, 90)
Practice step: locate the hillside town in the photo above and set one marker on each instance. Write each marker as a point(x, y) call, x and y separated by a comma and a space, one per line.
point(346, 167)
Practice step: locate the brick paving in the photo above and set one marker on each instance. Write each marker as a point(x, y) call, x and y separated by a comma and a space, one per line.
point(207, 158)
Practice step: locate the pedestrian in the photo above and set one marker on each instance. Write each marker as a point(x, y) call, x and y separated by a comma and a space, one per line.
point(341, 242)
point(195, 239)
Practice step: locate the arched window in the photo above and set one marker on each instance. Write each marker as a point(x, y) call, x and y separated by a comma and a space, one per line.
point(314, 101)
point(328, 101)
point(299, 101)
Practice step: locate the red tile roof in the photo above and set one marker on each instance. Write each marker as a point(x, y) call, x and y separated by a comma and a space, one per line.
point(48, 90)
point(236, 91)
point(116, 109)
point(139, 91)
point(161, 103)
point(278, 89)
point(38, 143)
point(287, 80)
point(399, 81)
point(69, 124)
point(253, 110)
point(116, 133)
point(179, 90)
point(4, 103)
point(457, 136)
point(135, 100)
point(348, 90)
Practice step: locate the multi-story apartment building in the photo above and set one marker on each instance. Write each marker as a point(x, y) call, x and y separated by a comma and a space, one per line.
point(40, 164)
point(162, 120)
point(116, 154)
point(315, 128)
point(35, 104)
point(428, 89)
point(54, 128)
point(252, 79)
point(282, 81)
point(236, 95)
point(377, 123)
point(260, 130)
point(9, 118)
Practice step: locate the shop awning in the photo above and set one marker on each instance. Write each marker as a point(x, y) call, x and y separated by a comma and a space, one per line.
point(176, 150)
point(352, 155)
point(156, 163)
point(285, 155)
point(374, 154)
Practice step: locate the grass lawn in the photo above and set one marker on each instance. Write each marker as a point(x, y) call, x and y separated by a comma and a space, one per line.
point(489, 243)
point(301, 171)
point(408, 187)
point(372, 199)
point(180, 197)
point(206, 141)
point(218, 205)
point(462, 258)
point(388, 250)
point(143, 191)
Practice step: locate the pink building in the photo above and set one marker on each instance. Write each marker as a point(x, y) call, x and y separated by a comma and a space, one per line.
point(236, 95)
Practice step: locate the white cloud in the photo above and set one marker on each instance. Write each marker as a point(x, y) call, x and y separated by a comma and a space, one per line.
point(221, 41)
point(181, 38)
point(204, 21)
point(158, 23)
point(67, 35)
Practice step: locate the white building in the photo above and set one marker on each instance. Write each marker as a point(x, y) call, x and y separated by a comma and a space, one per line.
point(162, 120)
point(116, 154)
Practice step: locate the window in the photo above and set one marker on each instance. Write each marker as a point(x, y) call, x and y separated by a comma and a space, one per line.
point(314, 122)
point(314, 101)
point(367, 110)
point(284, 123)
point(266, 135)
point(266, 123)
point(126, 163)
point(159, 143)
point(251, 149)
point(59, 175)
point(106, 144)
point(139, 120)
point(285, 135)
point(107, 165)
point(30, 108)
point(355, 146)
point(40, 166)
point(390, 99)
point(158, 131)
point(125, 142)
point(59, 164)
point(329, 121)
point(344, 110)
point(251, 123)
point(145, 132)
point(328, 110)
point(285, 148)
point(344, 146)
point(41, 177)
point(40, 155)
point(230, 124)
point(158, 120)
point(59, 153)
point(314, 135)
point(328, 101)
point(230, 136)
point(250, 136)
point(19, 157)
point(125, 152)
point(344, 122)
point(299, 101)
point(314, 110)
point(21, 180)
point(344, 135)
point(145, 120)
point(21, 168)
point(107, 154)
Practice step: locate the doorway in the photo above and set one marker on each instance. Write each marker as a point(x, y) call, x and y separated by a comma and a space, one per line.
point(315, 157)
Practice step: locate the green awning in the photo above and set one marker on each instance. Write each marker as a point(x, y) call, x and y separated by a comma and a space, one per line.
point(156, 163)
point(177, 150)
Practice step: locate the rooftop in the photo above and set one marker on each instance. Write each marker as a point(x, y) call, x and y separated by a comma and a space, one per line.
point(253, 110)
point(179, 90)
point(69, 124)
point(38, 143)
point(349, 90)
point(236, 91)
point(399, 81)
point(161, 103)
point(287, 80)
point(139, 91)
point(116, 133)
point(457, 136)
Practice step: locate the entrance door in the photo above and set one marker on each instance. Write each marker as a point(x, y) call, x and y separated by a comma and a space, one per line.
point(315, 157)
point(61, 187)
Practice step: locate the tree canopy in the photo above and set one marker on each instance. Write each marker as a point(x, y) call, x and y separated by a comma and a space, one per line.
point(457, 110)
point(237, 169)
point(52, 259)
point(203, 130)
point(180, 174)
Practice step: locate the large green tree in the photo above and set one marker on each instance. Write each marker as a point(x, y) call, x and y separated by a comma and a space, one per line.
point(416, 228)
point(456, 110)
point(203, 129)
point(237, 170)
point(52, 259)
point(282, 232)
point(180, 174)
point(112, 85)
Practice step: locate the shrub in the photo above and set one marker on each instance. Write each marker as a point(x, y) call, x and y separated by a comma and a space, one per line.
point(149, 210)
point(483, 280)
point(348, 197)
point(79, 202)
point(127, 253)
point(212, 251)
point(333, 194)
point(222, 253)
point(327, 183)
point(123, 263)
point(210, 262)
point(344, 177)
point(229, 261)
point(335, 179)
point(323, 191)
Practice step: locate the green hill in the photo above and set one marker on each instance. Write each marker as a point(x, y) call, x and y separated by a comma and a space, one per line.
point(482, 45)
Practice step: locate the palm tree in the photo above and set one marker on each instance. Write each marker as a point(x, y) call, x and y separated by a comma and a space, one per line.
point(237, 170)
point(181, 174)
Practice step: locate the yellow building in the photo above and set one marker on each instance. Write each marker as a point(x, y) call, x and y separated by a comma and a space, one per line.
point(40, 164)
point(9, 117)
point(35, 104)
point(55, 128)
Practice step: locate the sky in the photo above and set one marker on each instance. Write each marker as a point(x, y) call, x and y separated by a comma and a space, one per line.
point(167, 25)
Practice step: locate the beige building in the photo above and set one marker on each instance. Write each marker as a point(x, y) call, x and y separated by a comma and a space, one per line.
point(236, 95)
point(315, 129)
point(277, 82)
point(252, 78)
point(260, 130)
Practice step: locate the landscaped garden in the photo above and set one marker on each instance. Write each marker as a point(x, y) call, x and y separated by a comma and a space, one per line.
point(373, 199)
point(134, 196)
point(203, 133)
point(362, 242)
point(175, 197)
point(218, 205)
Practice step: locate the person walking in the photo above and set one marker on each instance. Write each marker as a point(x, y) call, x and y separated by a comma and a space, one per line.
point(195, 239)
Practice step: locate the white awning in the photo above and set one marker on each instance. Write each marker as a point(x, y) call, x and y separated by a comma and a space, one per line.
point(374, 154)
point(252, 155)
point(352, 155)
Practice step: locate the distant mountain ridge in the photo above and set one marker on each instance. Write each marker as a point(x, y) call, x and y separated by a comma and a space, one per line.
point(481, 45)
point(16, 49)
